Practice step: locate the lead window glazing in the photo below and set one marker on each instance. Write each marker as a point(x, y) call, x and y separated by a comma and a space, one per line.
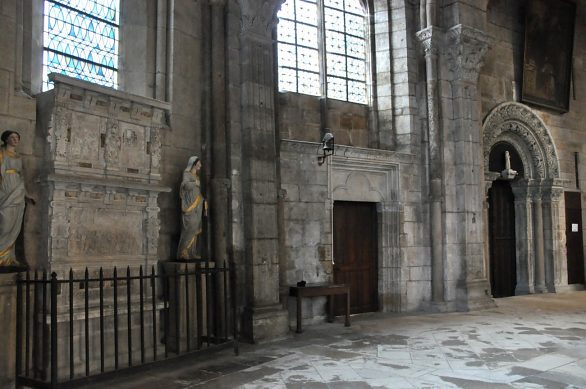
point(323, 40)
point(81, 39)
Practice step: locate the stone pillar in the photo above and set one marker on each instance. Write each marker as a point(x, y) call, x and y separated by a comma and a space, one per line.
point(220, 182)
point(430, 38)
point(466, 47)
point(8, 325)
point(523, 238)
point(555, 253)
point(264, 317)
point(539, 241)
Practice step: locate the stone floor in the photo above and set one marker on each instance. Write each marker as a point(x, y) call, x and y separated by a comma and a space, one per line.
point(536, 341)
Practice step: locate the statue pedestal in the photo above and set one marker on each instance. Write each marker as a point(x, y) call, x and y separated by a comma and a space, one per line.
point(189, 311)
point(8, 325)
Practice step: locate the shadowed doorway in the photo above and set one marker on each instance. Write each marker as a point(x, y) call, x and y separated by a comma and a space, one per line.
point(503, 267)
point(574, 243)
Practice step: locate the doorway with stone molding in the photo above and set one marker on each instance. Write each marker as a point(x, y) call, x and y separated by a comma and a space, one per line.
point(532, 172)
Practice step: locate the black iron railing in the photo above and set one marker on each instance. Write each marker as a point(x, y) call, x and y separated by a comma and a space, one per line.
point(77, 328)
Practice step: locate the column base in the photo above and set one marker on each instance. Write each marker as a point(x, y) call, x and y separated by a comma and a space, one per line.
point(437, 307)
point(265, 323)
point(476, 295)
point(568, 288)
point(523, 290)
point(541, 289)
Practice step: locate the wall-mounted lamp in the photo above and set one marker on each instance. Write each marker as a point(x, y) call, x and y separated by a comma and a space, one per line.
point(327, 147)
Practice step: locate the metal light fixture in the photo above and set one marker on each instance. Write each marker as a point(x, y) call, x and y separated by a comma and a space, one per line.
point(327, 147)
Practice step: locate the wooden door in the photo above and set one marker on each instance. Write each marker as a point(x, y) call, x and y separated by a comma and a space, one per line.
point(355, 254)
point(503, 262)
point(574, 243)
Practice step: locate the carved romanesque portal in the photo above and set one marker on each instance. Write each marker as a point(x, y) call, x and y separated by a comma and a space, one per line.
point(537, 193)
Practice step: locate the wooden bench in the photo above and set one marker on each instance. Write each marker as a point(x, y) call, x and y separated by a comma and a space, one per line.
point(315, 290)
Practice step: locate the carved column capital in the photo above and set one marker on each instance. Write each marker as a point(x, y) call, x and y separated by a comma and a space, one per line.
point(466, 49)
point(553, 194)
point(430, 39)
point(258, 17)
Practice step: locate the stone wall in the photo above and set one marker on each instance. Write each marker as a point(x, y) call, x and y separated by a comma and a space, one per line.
point(501, 80)
point(300, 118)
point(308, 192)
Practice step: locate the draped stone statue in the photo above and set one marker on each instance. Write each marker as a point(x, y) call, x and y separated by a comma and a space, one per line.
point(193, 205)
point(508, 173)
point(12, 198)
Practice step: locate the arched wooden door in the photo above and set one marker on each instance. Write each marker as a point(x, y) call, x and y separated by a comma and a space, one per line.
point(355, 254)
point(503, 262)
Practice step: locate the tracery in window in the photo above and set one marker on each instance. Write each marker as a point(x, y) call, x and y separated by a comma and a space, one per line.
point(81, 40)
point(323, 36)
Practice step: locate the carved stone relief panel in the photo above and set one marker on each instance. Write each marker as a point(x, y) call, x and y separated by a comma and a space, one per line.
point(84, 141)
point(113, 145)
point(102, 176)
point(102, 232)
point(133, 156)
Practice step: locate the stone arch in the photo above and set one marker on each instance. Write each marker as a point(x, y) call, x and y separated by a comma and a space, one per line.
point(539, 224)
point(359, 182)
point(516, 124)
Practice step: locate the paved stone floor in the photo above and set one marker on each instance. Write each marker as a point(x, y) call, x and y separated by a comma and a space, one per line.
point(536, 341)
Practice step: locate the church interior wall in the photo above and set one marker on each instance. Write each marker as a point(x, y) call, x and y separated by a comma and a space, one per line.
point(501, 81)
point(501, 78)
point(299, 117)
point(166, 54)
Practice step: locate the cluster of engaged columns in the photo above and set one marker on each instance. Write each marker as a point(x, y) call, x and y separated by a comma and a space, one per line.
point(540, 238)
point(453, 57)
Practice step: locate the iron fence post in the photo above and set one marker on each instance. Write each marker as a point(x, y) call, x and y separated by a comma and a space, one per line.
point(54, 351)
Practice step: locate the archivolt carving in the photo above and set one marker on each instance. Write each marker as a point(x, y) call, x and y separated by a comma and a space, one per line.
point(520, 146)
point(514, 118)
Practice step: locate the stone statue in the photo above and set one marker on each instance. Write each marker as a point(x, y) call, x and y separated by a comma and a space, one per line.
point(193, 205)
point(508, 173)
point(12, 198)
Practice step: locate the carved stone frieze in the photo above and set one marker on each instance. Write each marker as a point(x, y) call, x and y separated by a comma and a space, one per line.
point(515, 118)
point(466, 47)
point(259, 16)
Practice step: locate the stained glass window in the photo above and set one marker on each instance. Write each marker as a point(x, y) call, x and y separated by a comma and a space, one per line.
point(81, 40)
point(323, 36)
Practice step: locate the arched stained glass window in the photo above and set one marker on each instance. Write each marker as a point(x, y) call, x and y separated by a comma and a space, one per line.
point(81, 40)
point(322, 48)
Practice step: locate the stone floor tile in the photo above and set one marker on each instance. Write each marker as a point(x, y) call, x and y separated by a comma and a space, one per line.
point(527, 342)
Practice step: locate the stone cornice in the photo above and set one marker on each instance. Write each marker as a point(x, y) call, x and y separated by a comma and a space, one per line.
point(114, 93)
point(259, 17)
point(466, 47)
point(105, 182)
